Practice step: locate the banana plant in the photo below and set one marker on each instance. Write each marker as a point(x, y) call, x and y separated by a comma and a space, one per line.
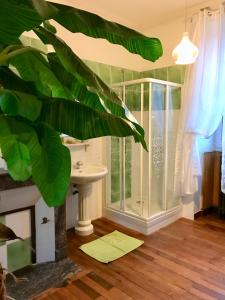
point(45, 94)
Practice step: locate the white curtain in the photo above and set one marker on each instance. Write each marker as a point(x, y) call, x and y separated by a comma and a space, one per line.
point(203, 98)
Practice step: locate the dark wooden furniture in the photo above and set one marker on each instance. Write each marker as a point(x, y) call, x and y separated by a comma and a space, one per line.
point(7, 183)
point(211, 187)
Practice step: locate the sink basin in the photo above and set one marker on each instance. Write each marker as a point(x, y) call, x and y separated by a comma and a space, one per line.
point(88, 173)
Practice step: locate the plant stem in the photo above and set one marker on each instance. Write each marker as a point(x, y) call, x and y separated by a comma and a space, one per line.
point(5, 57)
point(10, 48)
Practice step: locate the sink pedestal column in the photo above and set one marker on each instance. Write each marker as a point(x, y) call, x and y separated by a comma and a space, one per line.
point(84, 226)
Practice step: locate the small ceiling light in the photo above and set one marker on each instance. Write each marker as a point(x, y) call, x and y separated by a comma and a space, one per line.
point(185, 52)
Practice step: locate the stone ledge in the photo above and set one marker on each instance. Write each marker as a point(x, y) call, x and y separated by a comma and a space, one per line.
point(40, 278)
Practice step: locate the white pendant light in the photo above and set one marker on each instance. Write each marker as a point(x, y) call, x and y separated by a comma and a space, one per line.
point(185, 52)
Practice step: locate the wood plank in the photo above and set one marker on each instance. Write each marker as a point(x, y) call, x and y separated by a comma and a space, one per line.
point(92, 293)
point(101, 281)
point(183, 261)
point(211, 189)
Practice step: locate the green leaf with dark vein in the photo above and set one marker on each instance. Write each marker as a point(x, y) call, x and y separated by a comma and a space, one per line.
point(17, 156)
point(76, 89)
point(15, 103)
point(17, 140)
point(86, 96)
point(40, 150)
point(9, 80)
point(51, 172)
point(19, 129)
point(24, 15)
point(35, 68)
point(15, 18)
point(82, 122)
point(76, 20)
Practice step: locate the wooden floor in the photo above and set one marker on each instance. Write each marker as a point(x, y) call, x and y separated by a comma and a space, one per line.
point(184, 261)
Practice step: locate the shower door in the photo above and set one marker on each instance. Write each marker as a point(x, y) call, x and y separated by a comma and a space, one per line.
point(157, 147)
point(173, 112)
point(141, 182)
point(165, 108)
point(128, 160)
point(136, 198)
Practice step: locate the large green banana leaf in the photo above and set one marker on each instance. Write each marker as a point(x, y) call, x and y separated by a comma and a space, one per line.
point(31, 151)
point(14, 103)
point(17, 156)
point(67, 116)
point(38, 151)
point(82, 122)
point(51, 81)
point(24, 15)
point(86, 77)
point(15, 18)
point(76, 20)
point(9, 80)
point(52, 93)
point(34, 67)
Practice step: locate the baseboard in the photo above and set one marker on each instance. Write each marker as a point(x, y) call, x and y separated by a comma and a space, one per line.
point(140, 224)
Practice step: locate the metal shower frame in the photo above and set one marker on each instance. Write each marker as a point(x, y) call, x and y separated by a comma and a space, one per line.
point(123, 86)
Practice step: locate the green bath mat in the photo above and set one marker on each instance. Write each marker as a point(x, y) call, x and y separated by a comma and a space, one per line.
point(111, 246)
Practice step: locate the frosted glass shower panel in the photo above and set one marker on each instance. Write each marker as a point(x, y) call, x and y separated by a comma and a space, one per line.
point(116, 172)
point(141, 183)
point(133, 152)
point(173, 111)
point(116, 167)
point(145, 154)
point(157, 181)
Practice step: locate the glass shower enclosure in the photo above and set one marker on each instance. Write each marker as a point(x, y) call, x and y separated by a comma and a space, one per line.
point(140, 185)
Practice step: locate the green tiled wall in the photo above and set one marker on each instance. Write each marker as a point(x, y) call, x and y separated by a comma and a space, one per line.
point(115, 169)
point(128, 160)
point(172, 73)
point(110, 74)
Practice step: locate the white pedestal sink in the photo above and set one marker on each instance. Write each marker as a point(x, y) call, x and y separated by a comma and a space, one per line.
point(83, 175)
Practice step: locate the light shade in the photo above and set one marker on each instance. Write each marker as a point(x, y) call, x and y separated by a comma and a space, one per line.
point(185, 52)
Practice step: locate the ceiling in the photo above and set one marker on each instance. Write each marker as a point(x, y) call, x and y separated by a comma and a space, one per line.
point(139, 14)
